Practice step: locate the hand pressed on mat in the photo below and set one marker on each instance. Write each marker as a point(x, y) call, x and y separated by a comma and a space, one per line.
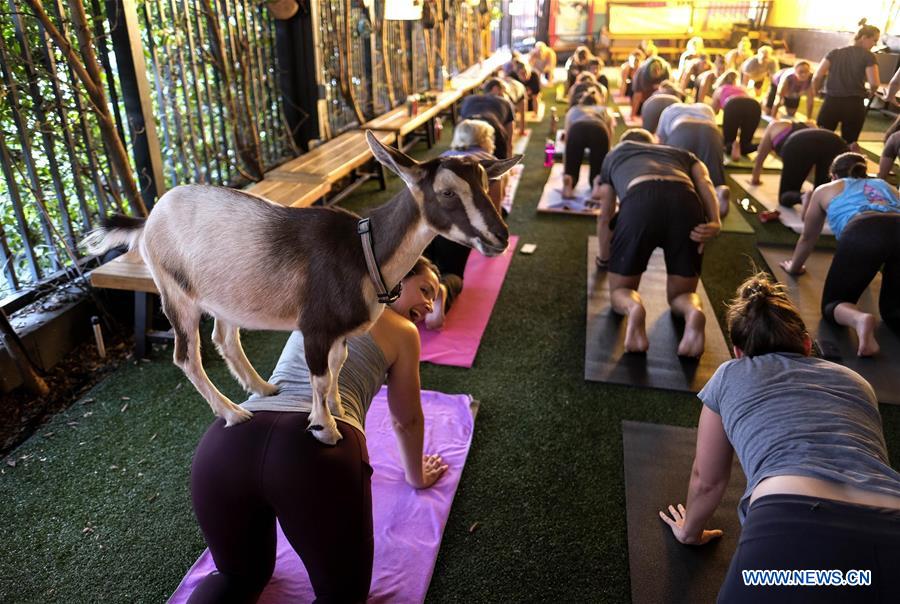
point(676, 523)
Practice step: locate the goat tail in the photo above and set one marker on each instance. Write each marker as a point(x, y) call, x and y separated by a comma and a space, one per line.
point(115, 230)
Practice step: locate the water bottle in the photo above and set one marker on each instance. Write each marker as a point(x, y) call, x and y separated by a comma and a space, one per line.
point(553, 122)
point(438, 128)
point(549, 151)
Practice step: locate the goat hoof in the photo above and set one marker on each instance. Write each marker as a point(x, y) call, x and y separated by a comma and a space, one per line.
point(237, 415)
point(324, 435)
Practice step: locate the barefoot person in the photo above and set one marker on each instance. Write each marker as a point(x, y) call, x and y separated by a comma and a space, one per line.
point(667, 201)
point(589, 126)
point(246, 476)
point(801, 149)
point(821, 493)
point(788, 85)
point(864, 215)
point(740, 114)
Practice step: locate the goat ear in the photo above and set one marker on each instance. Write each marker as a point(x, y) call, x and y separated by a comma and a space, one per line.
point(395, 160)
point(496, 168)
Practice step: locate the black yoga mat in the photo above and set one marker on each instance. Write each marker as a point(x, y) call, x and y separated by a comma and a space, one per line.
point(806, 291)
point(658, 462)
point(605, 359)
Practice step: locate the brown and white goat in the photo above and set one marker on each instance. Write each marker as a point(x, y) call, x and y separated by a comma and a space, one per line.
point(254, 264)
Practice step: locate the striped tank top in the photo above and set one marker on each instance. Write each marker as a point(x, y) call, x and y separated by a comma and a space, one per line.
point(362, 376)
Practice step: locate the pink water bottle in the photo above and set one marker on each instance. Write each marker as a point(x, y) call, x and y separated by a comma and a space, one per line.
point(549, 151)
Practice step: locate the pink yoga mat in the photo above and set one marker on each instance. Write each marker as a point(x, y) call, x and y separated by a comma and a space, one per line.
point(456, 343)
point(408, 523)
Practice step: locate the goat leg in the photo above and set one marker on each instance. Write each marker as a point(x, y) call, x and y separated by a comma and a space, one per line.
point(227, 338)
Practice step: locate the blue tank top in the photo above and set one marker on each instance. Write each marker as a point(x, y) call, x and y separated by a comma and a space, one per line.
point(860, 195)
point(361, 377)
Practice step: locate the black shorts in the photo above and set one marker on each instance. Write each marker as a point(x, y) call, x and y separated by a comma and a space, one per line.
point(657, 213)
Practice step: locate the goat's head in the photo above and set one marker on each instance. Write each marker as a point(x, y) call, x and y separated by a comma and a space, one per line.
point(452, 194)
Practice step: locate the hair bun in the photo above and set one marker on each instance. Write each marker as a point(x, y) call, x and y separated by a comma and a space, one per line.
point(859, 170)
point(862, 22)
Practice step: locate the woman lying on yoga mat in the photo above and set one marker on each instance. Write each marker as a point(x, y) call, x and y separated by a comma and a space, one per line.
point(848, 69)
point(821, 493)
point(667, 201)
point(740, 113)
point(475, 139)
point(864, 215)
point(589, 125)
point(245, 477)
point(801, 149)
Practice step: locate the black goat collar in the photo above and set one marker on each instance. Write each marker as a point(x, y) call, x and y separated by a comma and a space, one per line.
point(364, 229)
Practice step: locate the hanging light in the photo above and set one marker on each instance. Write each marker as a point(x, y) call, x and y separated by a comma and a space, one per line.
point(402, 10)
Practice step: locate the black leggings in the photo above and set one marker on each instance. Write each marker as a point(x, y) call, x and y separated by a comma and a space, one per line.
point(245, 476)
point(848, 111)
point(795, 532)
point(801, 152)
point(740, 113)
point(585, 134)
point(869, 242)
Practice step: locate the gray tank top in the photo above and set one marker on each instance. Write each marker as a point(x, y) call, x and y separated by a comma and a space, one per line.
point(360, 379)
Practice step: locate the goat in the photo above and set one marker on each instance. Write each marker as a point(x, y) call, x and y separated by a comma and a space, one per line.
point(251, 263)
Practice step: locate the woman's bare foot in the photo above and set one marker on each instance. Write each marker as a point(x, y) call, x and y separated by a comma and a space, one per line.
point(865, 331)
point(636, 331)
point(568, 191)
point(693, 340)
point(736, 151)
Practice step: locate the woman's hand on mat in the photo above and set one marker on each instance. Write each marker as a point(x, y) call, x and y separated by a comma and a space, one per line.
point(432, 469)
point(788, 266)
point(676, 523)
point(706, 231)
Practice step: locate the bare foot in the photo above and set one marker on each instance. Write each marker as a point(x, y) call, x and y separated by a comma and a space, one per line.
point(693, 340)
point(636, 331)
point(736, 151)
point(865, 331)
point(568, 188)
point(724, 195)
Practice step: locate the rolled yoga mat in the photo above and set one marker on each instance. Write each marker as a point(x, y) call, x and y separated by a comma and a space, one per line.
point(806, 292)
point(512, 185)
point(456, 343)
point(767, 195)
point(658, 462)
point(408, 523)
point(552, 202)
point(605, 359)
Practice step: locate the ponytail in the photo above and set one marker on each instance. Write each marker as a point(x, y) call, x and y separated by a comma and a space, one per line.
point(762, 319)
point(866, 31)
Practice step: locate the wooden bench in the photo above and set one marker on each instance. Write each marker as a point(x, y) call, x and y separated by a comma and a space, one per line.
point(333, 160)
point(402, 124)
point(296, 192)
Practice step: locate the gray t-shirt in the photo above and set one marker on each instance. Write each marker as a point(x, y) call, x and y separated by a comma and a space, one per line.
point(677, 111)
point(582, 113)
point(653, 108)
point(703, 139)
point(847, 71)
point(631, 159)
point(789, 414)
point(361, 377)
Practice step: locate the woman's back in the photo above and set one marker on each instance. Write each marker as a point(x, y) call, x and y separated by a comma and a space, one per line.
point(362, 375)
point(790, 414)
point(857, 196)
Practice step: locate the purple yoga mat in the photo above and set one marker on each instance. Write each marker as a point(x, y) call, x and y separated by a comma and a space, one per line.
point(456, 343)
point(408, 523)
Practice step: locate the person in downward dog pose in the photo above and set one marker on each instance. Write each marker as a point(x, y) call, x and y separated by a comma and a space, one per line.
point(245, 477)
point(249, 262)
point(864, 215)
point(740, 113)
point(667, 201)
point(589, 125)
point(821, 493)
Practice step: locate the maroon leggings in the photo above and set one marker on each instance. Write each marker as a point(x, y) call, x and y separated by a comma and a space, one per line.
point(246, 476)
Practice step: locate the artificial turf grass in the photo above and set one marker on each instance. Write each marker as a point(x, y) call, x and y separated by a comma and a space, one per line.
point(544, 477)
